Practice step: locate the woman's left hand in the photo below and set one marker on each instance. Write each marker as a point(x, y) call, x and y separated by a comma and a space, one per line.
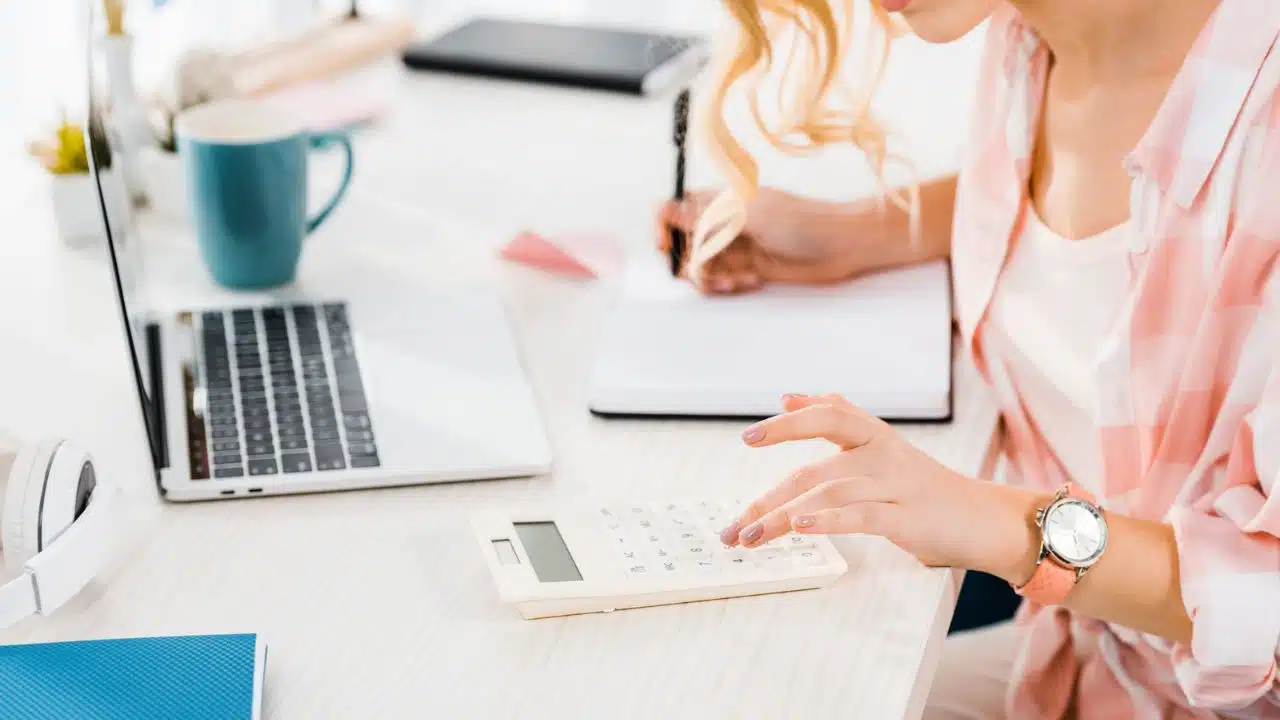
point(880, 484)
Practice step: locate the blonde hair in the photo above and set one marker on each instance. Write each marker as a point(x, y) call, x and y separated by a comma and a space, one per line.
point(812, 115)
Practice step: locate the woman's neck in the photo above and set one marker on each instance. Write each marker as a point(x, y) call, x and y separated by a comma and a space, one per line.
point(1096, 41)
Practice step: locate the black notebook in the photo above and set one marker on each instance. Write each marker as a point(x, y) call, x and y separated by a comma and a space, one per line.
point(595, 57)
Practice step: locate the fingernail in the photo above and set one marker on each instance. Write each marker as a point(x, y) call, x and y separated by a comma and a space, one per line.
point(804, 521)
point(730, 534)
point(753, 434)
point(752, 534)
point(790, 397)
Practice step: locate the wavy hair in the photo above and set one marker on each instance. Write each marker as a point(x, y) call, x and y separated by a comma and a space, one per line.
point(815, 108)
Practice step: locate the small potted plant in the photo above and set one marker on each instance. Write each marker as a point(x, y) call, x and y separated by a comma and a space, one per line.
point(73, 188)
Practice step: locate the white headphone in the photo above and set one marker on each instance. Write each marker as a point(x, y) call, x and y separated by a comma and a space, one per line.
point(55, 526)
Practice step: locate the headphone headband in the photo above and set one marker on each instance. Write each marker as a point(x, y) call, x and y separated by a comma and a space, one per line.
point(68, 561)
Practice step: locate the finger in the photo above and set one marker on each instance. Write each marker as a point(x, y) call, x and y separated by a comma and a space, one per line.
point(793, 401)
point(802, 481)
point(843, 425)
point(717, 275)
point(674, 215)
point(859, 518)
point(742, 268)
point(826, 496)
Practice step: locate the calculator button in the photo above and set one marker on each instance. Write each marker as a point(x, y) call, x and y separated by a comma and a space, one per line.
point(772, 560)
point(706, 564)
point(671, 567)
point(696, 552)
point(808, 558)
point(797, 541)
point(640, 570)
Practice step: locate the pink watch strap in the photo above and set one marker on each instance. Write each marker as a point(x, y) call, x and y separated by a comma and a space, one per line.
point(1052, 583)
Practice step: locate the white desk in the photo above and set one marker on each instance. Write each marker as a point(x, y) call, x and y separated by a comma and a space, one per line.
point(376, 604)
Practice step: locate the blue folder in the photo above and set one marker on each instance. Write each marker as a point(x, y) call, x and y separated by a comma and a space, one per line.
point(213, 677)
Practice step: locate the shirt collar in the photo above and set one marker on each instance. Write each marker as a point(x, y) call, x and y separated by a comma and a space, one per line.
point(1204, 103)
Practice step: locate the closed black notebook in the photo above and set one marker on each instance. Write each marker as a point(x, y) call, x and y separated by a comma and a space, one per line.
point(600, 58)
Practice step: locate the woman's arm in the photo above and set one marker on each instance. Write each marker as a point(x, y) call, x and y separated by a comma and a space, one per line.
point(890, 227)
point(1135, 583)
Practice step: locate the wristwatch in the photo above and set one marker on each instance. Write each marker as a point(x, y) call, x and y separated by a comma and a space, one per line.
point(1073, 535)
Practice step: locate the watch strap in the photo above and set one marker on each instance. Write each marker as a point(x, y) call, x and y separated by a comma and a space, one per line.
point(1052, 582)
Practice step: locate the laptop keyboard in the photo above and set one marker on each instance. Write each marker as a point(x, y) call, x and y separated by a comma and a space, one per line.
point(284, 394)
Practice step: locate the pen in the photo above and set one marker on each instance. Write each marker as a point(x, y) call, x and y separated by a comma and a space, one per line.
point(681, 130)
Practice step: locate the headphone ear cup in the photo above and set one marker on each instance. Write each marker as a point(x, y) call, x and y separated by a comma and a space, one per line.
point(60, 506)
point(21, 522)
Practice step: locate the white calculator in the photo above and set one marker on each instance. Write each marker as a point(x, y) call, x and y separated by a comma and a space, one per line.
point(571, 560)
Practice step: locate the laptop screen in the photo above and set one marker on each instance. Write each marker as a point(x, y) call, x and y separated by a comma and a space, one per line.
point(121, 232)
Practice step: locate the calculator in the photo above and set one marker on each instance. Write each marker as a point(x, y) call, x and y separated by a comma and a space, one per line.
point(569, 560)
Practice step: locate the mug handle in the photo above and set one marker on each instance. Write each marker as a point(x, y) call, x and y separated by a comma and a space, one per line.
point(320, 141)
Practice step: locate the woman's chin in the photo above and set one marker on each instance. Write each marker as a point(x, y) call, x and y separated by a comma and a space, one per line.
point(946, 21)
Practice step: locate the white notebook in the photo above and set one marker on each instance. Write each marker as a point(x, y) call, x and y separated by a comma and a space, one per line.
point(883, 341)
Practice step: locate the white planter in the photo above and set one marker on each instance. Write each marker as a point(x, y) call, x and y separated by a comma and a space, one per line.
point(76, 209)
point(165, 182)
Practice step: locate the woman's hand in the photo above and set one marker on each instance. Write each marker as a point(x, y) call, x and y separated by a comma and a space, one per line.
point(880, 484)
point(798, 240)
point(787, 238)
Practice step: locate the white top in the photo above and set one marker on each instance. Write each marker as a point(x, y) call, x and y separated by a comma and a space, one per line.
point(1053, 309)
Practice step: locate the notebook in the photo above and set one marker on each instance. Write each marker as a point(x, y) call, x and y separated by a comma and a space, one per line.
point(209, 676)
point(884, 341)
point(604, 58)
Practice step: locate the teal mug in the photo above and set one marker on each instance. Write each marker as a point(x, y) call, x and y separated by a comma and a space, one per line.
point(245, 164)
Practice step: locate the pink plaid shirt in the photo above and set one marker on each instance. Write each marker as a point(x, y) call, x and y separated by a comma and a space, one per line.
point(1188, 384)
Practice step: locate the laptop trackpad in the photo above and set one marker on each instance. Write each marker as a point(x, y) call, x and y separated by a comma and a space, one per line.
point(445, 384)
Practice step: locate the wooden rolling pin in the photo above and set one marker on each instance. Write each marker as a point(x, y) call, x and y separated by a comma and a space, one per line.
point(327, 51)
point(318, 54)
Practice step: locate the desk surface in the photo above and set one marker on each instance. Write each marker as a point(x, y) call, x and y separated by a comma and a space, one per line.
point(376, 604)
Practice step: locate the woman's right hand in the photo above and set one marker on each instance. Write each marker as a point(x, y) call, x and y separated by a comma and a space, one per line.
point(787, 238)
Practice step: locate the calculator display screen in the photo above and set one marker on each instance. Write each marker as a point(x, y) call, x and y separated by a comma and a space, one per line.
point(547, 552)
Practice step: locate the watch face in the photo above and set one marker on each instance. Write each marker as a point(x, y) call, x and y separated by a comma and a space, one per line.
point(1075, 532)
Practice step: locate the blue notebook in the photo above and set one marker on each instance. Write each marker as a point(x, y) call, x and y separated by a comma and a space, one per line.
point(213, 677)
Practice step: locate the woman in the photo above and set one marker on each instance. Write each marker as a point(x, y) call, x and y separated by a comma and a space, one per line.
point(1113, 235)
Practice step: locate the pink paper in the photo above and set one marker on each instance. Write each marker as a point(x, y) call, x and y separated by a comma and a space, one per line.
point(580, 256)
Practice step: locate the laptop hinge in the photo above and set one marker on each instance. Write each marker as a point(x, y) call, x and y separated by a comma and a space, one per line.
point(155, 399)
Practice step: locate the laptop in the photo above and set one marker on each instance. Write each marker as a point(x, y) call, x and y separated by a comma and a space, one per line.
point(313, 394)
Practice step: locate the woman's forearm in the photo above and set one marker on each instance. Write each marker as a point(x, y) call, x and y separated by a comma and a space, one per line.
point(876, 235)
point(1135, 584)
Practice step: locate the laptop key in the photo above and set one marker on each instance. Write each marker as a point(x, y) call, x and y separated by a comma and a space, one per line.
point(355, 420)
point(355, 436)
point(262, 466)
point(329, 457)
point(261, 449)
point(325, 436)
point(293, 443)
point(363, 450)
point(226, 446)
point(291, 431)
point(225, 433)
point(364, 461)
point(257, 424)
point(297, 462)
point(228, 472)
point(231, 459)
point(353, 402)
